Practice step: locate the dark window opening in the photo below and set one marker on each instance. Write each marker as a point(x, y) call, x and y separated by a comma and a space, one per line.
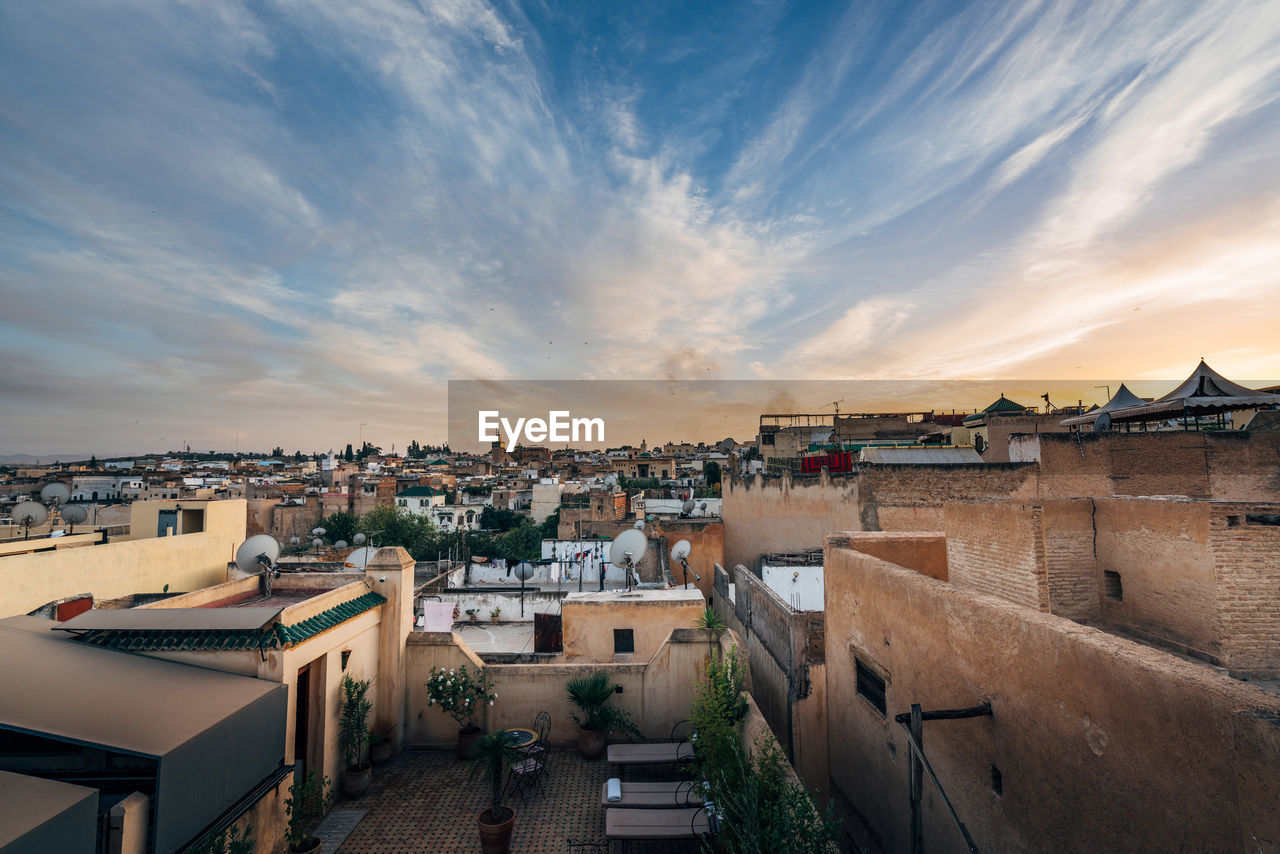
point(766, 439)
point(624, 641)
point(1111, 585)
point(871, 687)
point(1233, 521)
point(346, 656)
point(1262, 518)
point(997, 781)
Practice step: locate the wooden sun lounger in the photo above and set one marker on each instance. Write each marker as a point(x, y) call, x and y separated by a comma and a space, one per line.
point(658, 753)
point(654, 795)
point(656, 824)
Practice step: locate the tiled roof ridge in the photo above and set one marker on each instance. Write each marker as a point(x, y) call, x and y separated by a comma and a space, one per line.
point(275, 636)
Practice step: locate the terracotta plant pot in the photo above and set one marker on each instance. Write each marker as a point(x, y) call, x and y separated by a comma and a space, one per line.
point(356, 781)
point(590, 743)
point(313, 848)
point(380, 753)
point(467, 739)
point(495, 836)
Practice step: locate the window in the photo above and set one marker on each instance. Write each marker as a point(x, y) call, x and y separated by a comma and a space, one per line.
point(624, 641)
point(997, 781)
point(870, 686)
point(1111, 585)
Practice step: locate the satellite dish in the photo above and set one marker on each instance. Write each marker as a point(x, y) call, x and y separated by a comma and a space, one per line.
point(317, 543)
point(687, 507)
point(703, 507)
point(257, 553)
point(1102, 423)
point(359, 558)
point(55, 493)
point(340, 544)
point(358, 539)
point(75, 514)
point(611, 480)
point(319, 532)
point(524, 570)
point(30, 513)
point(293, 541)
point(631, 541)
point(681, 550)
point(639, 525)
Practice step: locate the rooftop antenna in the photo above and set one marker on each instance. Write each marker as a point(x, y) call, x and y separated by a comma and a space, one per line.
point(680, 554)
point(73, 515)
point(29, 513)
point(627, 550)
point(258, 555)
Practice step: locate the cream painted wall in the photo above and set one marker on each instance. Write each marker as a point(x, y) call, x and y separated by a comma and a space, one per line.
point(187, 562)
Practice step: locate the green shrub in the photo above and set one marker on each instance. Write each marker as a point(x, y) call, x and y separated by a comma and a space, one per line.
point(591, 693)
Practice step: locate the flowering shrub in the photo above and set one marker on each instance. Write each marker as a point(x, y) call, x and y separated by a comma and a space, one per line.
point(460, 693)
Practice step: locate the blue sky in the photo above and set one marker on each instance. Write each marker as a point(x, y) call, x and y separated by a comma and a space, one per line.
point(285, 219)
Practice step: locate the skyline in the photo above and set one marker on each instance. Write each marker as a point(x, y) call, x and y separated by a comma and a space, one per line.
point(283, 220)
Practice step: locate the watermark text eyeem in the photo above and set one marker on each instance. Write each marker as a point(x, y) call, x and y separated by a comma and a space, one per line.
point(559, 426)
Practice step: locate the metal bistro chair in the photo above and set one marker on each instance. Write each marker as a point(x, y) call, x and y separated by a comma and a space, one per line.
point(542, 726)
point(528, 772)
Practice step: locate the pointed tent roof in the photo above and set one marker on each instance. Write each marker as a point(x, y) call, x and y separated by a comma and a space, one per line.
point(1204, 392)
point(1122, 399)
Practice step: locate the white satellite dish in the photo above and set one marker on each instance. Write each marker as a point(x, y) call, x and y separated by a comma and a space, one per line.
point(293, 541)
point(681, 550)
point(317, 543)
point(30, 513)
point(628, 548)
point(639, 525)
point(611, 480)
point(257, 553)
point(358, 539)
point(524, 570)
point(319, 532)
point(359, 558)
point(687, 507)
point(340, 544)
point(55, 493)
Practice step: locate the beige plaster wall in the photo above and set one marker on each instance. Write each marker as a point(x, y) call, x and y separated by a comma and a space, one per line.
point(588, 623)
point(1103, 744)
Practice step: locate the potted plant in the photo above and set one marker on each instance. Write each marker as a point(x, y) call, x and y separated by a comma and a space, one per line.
point(460, 693)
point(380, 746)
point(474, 614)
point(308, 799)
point(496, 822)
point(353, 735)
point(591, 693)
point(495, 614)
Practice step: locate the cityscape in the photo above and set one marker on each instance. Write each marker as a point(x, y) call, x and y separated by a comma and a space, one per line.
point(560, 428)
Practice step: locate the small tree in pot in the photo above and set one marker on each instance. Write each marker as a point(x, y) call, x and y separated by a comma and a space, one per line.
point(591, 694)
point(460, 694)
point(496, 822)
point(353, 735)
point(308, 799)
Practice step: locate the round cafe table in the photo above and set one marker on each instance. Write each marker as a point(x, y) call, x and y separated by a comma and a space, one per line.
point(519, 737)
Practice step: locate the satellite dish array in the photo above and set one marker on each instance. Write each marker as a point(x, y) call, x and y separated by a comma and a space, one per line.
point(52, 495)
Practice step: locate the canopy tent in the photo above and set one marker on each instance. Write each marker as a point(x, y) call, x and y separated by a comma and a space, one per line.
point(1122, 399)
point(1205, 392)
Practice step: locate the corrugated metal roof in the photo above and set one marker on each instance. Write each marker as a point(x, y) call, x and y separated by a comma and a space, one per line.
point(919, 456)
point(78, 692)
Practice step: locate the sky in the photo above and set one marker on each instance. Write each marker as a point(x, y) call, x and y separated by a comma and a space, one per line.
point(270, 223)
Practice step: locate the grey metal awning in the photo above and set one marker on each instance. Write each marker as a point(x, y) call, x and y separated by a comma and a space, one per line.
point(170, 619)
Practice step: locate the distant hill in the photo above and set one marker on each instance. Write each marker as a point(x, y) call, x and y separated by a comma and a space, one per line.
point(31, 459)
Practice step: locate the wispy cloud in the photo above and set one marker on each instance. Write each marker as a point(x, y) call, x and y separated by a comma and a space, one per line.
point(285, 219)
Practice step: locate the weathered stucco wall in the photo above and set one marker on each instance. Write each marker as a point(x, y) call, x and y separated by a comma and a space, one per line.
point(589, 621)
point(706, 538)
point(1102, 744)
point(782, 514)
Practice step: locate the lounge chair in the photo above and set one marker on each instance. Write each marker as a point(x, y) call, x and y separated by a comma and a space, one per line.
point(656, 825)
point(655, 753)
point(654, 795)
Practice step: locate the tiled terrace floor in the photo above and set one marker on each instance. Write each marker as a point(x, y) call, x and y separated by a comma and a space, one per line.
point(426, 802)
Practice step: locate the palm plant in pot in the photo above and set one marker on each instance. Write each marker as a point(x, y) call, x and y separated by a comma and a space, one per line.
point(308, 799)
point(496, 822)
point(353, 735)
point(460, 694)
point(591, 693)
